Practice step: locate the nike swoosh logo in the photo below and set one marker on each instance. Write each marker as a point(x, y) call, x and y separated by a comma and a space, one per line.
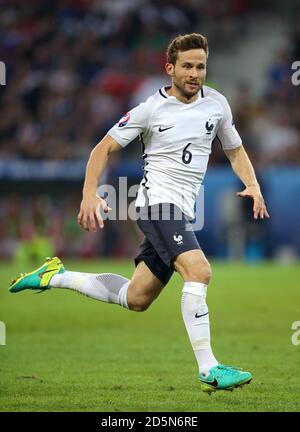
point(160, 129)
point(198, 316)
point(42, 274)
point(213, 383)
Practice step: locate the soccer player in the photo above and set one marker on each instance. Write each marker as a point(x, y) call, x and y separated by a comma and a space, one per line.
point(177, 126)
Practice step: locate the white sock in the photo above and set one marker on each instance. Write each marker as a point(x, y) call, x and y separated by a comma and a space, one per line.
point(193, 304)
point(107, 287)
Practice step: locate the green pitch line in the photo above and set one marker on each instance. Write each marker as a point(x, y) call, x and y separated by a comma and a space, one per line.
point(65, 352)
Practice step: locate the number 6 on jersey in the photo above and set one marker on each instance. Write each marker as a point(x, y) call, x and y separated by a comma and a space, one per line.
point(186, 155)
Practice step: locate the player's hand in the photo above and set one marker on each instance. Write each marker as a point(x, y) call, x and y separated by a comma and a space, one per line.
point(259, 206)
point(89, 215)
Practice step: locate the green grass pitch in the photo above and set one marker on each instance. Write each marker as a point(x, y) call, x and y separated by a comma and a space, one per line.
point(65, 352)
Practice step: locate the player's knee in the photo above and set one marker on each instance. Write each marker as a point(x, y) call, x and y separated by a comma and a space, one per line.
point(198, 272)
point(138, 304)
point(202, 275)
point(207, 273)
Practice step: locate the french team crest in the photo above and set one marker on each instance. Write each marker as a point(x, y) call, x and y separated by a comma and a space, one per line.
point(209, 127)
point(124, 120)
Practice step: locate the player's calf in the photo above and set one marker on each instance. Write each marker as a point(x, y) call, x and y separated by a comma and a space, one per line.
point(143, 289)
point(140, 297)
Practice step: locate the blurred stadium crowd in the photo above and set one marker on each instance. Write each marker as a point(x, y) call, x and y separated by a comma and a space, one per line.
point(75, 66)
point(40, 225)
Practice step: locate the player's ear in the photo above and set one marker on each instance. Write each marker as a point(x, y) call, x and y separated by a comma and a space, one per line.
point(169, 67)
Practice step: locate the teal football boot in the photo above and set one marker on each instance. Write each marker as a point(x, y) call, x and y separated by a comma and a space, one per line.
point(38, 279)
point(224, 377)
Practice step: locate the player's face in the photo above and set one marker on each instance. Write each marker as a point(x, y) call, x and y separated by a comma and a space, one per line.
point(189, 72)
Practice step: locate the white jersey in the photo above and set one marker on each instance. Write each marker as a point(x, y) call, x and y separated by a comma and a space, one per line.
point(177, 140)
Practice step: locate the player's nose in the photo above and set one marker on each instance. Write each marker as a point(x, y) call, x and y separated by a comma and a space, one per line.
point(194, 73)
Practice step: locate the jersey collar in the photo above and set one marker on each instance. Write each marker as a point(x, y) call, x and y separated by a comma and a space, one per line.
point(163, 93)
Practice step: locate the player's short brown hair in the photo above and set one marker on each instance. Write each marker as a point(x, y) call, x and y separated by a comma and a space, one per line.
point(185, 43)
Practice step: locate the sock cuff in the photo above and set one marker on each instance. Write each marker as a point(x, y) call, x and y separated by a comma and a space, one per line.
point(122, 297)
point(195, 288)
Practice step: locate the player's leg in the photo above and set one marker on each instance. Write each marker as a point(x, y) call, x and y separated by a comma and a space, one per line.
point(177, 247)
point(106, 287)
point(193, 266)
point(195, 270)
point(149, 278)
point(143, 289)
point(136, 294)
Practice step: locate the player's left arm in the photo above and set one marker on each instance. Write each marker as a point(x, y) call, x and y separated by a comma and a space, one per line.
point(243, 168)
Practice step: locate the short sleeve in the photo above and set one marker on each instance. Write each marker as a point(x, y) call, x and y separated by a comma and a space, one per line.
point(131, 125)
point(227, 133)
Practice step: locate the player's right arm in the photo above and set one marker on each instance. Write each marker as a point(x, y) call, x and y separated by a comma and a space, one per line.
point(120, 135)
point(89, 215)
